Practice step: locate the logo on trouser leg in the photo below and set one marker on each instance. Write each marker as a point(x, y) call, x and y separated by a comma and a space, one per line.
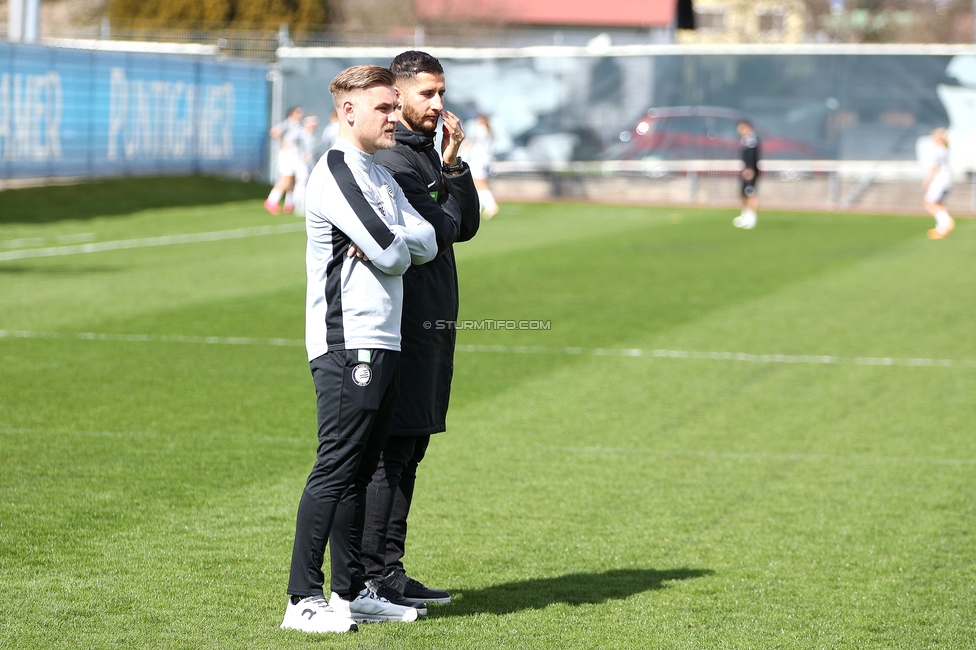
point(362, 374)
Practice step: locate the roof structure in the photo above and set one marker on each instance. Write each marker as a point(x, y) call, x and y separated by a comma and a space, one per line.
point(579, 13)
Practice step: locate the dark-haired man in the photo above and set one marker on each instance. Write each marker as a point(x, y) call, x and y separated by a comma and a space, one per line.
point(442, 191)
point(362, 236)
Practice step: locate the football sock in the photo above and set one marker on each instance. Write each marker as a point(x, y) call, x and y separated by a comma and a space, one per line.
point(275, 196)
point(290, 198)
point(943, 221)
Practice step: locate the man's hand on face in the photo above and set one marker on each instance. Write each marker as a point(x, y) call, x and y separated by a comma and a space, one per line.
point(453, 136)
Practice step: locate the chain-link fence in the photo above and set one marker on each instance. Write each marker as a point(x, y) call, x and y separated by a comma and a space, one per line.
point(260, 43)
point(841, 127)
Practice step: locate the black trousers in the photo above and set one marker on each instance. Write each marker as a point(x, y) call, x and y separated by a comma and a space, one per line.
point(388, 499)
point(355, 408)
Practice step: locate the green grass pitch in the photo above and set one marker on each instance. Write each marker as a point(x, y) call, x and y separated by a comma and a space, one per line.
point(723, 439)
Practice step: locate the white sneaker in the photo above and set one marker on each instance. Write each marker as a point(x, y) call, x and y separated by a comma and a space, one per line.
point(367, 607)
point(313, 614)
point(747, 221)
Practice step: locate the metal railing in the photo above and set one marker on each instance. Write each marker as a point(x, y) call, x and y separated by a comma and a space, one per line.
point(252, 45)
point(788, 184)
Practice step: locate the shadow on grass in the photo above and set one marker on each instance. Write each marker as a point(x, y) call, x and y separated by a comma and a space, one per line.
point(572, 589)
point(113, 197)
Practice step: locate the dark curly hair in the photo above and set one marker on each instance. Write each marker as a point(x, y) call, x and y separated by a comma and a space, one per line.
point(412, 62)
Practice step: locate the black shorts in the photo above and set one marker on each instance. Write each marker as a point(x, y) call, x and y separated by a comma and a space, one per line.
point(749, 187)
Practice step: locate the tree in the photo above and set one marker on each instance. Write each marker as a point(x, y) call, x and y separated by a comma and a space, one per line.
point(893, 21)
point(265, 12)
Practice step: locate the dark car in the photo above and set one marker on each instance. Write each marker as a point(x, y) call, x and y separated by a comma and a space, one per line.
point(701, 132)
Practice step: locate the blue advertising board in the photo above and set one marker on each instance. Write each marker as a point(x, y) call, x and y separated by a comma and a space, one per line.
point(68, 112)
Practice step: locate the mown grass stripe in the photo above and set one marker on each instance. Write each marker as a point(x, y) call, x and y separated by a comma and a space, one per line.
point(148, 242)
point(524, 349)
point(662, 453)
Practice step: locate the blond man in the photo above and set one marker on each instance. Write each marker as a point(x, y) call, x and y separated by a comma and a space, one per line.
point(362, 236)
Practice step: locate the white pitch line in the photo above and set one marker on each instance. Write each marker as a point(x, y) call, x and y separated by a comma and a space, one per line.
point(152, 338)
point(764, 455)
point(520, 349)
point(97, 434)
point(146, 242)
point(724, 356)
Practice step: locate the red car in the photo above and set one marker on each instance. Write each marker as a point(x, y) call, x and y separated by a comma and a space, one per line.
point(701, 132)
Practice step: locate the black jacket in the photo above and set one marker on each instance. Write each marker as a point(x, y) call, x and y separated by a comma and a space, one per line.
point(750, 153)
point(430, 291)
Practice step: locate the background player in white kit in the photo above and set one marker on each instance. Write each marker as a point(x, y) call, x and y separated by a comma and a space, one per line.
point(288, 134)
point(937, 185)
point(308, 154)
point(331, 130)
point(478, 150)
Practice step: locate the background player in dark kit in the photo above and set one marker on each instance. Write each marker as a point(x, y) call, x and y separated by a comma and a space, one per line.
point(442, 190)
point(750, 176)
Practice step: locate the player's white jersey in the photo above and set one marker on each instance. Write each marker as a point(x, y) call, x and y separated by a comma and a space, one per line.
point(941, 181)
point(353, 303)
point(478, 149)
point(291, 133)
point(307, 142)
point(943, 175)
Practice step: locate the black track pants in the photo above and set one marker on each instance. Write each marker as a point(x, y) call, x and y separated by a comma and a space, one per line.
point(355, 407)
point(388, 502)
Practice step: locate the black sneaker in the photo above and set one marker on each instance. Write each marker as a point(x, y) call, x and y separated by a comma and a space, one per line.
point(381, 589)
point(412, 589)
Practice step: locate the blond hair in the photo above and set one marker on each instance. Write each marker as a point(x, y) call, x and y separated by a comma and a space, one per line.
point(941, 135)
point(359, 77)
